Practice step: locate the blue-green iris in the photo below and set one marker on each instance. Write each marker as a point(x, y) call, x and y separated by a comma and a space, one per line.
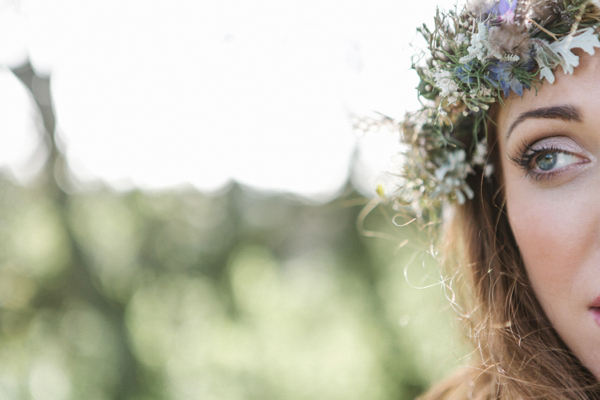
point(547, 161)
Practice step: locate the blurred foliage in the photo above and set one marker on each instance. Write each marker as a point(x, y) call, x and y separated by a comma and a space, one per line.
point(182, 295)
point(179, 295)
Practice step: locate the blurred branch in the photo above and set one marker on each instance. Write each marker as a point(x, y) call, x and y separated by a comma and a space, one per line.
point(78, 280)
point(39, 87)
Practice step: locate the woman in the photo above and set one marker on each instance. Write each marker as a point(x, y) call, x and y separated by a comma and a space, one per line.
point(509, 138)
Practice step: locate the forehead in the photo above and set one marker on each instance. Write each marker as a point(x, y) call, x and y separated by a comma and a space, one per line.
point(582, 89)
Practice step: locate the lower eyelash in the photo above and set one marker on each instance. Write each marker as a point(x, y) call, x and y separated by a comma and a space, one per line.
point(536, 176)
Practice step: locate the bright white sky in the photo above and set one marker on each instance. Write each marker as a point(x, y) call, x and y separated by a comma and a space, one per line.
point(160, 93)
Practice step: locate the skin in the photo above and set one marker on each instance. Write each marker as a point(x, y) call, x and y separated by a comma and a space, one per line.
point(555, 213)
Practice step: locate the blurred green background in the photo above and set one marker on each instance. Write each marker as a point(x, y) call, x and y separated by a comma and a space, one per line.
point(236, 295)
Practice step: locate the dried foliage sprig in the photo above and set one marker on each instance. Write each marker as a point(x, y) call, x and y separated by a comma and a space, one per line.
point(475, 57)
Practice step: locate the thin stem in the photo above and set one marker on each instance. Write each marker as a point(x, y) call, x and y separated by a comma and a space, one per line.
point(546, 31)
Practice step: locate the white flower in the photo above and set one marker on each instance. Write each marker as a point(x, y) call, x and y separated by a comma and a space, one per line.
point(488, 170)
point(453, 164)
point(451, 175)
point(480, 153)
point(479, 45)
point(445, 82)
point(483, 92)
point(466, 190)
point(455, 97)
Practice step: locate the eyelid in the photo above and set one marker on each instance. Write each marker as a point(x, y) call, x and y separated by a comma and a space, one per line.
point(561, 142)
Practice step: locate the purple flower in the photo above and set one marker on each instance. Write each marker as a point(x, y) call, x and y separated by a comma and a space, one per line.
point(503, 7)
point(500, 75)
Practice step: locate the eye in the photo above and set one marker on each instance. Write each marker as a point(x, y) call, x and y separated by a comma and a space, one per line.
point(549, 161)
point(549, 157)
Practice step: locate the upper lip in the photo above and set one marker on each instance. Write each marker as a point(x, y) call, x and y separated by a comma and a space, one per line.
point(595, 303)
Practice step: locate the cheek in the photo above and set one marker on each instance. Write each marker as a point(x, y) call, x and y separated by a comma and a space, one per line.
point(554, 235)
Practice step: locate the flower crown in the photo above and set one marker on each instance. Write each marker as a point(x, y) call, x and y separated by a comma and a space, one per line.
point(476, 57)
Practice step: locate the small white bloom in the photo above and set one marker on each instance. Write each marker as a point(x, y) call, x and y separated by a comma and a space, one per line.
point(479, 45)
point(480, 153)
point(453, 165)
point(488, 170)
point(485, 91)
point(468, 191)
point(460, 197)
point(445, 82)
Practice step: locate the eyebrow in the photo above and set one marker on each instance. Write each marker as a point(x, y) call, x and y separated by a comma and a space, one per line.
point(563, 112)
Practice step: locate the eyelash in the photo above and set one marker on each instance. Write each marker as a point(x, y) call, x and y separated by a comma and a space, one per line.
point(526, 155)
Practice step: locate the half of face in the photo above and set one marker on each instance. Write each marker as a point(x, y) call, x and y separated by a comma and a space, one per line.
point(550, 150)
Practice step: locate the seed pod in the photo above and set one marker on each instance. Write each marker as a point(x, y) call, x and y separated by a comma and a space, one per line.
point(448, 48)
point(441, 56)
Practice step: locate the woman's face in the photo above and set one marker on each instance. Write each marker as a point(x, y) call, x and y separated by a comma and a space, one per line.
point(550, 156)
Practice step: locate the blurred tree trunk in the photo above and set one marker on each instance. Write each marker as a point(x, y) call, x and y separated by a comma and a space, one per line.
point(78, 280)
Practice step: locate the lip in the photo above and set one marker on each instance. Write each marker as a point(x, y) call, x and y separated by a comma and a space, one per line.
point(594, 308)
point(595, 314)
point(595, 303)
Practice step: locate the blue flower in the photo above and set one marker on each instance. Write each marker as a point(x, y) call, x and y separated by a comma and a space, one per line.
point(463, 72)
point(500, 75)
point(530, 64)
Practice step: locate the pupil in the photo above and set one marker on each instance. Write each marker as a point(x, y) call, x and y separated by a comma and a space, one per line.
point(546, 161)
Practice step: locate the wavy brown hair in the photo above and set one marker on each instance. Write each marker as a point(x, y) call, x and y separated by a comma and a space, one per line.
point(518, 353)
